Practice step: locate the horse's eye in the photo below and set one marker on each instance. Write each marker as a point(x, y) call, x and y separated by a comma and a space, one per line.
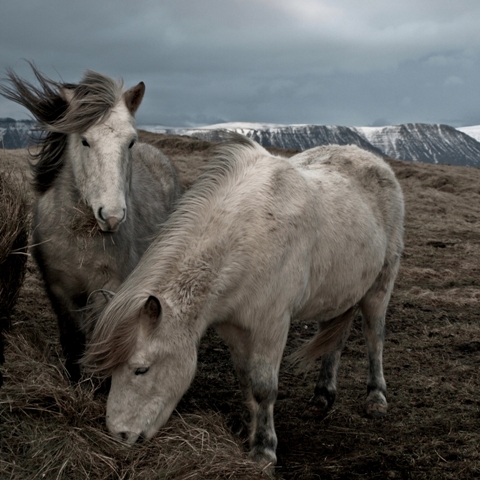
point(132, 143)
point(85, 143)
point(141, 370)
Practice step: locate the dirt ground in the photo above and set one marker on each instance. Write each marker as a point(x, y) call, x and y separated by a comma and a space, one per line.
point(431, 360)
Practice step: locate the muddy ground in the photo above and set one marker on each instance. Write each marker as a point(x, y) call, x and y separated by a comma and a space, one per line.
point(431, 358)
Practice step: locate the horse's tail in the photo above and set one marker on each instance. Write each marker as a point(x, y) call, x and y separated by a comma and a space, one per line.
point(332, 335)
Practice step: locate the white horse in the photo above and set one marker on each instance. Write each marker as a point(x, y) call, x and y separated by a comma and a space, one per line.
point(102, 196)
point(258, 241)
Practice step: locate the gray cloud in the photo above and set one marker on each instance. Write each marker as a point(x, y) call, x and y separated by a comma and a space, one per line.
point(310, 61)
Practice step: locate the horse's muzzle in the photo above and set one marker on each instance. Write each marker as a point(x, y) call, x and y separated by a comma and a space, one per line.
point(110, 223)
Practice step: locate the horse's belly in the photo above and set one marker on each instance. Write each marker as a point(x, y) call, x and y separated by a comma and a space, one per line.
point(337, 291)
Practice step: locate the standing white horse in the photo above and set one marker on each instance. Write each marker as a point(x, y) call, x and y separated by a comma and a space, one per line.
point(102, 196)
point(258, 241)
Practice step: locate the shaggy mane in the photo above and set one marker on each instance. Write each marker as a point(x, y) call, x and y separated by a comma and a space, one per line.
point(93, 98)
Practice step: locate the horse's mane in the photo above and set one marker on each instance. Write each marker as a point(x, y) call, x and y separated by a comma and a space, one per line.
point(92, 99)
point(115, 331)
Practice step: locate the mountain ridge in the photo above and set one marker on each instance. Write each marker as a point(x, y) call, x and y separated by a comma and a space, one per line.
point(417, 142)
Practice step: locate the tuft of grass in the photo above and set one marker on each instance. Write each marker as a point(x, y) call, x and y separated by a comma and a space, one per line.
point(84, 222)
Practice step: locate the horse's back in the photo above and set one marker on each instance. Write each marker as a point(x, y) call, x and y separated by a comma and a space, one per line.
point(355, 178)
point(363, 170)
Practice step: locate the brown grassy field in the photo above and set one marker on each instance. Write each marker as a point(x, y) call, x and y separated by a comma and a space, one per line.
point(51, 430)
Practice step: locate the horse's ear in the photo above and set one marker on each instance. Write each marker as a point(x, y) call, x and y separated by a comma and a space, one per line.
point(66, 94)
point(152, 309)
point(133, 97)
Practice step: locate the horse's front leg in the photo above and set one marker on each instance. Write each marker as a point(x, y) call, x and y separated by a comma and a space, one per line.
point(256, 356)
point(263, 376)
point(72, 337)
point(72, 340)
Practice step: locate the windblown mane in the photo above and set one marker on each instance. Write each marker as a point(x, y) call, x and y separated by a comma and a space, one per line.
point(115, 331)
point(93, 98)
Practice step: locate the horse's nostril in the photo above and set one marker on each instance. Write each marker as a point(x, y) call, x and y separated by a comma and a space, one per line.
point(124, 436)
point(104, 215)
point(100, 210)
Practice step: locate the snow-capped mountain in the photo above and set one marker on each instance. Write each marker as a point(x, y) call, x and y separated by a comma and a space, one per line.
point(15, 133)
point(473, 131)
point(418, 142)
point(298, 137)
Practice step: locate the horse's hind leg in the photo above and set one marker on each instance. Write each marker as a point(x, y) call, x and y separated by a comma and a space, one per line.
point(326, 385)
point(374, 306)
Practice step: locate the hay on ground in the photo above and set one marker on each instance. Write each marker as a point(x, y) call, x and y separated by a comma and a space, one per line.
point(50, 429)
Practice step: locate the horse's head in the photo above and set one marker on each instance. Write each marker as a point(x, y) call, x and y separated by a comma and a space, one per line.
point(146, 388)
point(101, 156)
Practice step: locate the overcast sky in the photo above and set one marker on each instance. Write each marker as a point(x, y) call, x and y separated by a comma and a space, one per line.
point(329, 62)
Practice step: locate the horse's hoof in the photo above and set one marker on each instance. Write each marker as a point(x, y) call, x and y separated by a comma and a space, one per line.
point(266, 460)
point(376, 410)
point(376, 406)
point(322, 401)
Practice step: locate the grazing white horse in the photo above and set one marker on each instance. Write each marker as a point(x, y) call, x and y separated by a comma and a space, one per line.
point(102, 197)
point(258, 241)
